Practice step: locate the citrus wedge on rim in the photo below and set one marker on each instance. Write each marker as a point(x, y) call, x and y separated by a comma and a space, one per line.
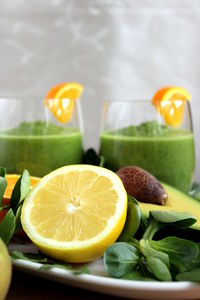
point(60, 100)
point(75, 212)
point(170, 103)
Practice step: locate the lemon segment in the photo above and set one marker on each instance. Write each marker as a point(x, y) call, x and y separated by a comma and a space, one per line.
point(75, 212)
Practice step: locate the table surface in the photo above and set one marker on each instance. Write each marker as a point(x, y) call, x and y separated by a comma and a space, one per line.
point(25, 286)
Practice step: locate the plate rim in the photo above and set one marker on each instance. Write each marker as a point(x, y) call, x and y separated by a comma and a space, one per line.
point(103, 280)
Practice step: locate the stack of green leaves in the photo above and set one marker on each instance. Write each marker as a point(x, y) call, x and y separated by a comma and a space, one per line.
point(11, 222)
point(138, 255)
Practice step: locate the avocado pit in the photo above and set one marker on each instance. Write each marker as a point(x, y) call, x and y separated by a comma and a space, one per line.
point(142, 185)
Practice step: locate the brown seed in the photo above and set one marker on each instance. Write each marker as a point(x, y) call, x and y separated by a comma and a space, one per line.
point(142, 185)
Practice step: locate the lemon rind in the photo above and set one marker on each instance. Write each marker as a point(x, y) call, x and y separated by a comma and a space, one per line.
point(109, 229)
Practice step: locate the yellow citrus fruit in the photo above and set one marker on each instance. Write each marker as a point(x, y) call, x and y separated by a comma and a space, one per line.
point(12, 180)
point(75, 212)
point(5, 270)
point(170, 102)
point(60, 100)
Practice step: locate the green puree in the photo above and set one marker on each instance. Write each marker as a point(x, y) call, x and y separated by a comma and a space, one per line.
point(165, 152)
point(39, 147)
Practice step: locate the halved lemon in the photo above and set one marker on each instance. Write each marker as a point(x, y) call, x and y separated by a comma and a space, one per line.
point(75, 212)
point(60, 100)
point(170, 102)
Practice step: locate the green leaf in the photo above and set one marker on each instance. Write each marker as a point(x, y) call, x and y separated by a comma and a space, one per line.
point(158, 268)
point(144, 222)
point(159, 219)
point(18, 219)
point(132, 220)
point(48, 263)
point(143, 268)
point(133, 200)
point(120, 258)
point(83, 270)
point(90, 157)
point(64, 266)
point(178, 219)
point(37, 257)
point(136, 275)
point(174, 271)
point(2, 172)
point(3, 185)
point(180, 251)
point(101, 161)
point(20, 190)
point(7, 227)
point(54, 265)
point(134, 242)
point(193, 275)
point(152, 228)
point(195, 262)
point(195, 191)
point(148, 251)
point(34, 257)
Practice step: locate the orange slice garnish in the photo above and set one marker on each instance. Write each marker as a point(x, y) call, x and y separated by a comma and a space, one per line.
point(60, 100)
point(170, 103)
point(11, 181)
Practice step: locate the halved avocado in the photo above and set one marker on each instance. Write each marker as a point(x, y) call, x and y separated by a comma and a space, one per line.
point(176, 201)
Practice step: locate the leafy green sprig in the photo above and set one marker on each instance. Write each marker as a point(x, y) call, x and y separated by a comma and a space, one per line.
point(11, 222)
point(139, 256)
point(48, 263)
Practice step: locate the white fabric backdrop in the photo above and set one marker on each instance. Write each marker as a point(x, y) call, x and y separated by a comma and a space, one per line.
point(118, 49)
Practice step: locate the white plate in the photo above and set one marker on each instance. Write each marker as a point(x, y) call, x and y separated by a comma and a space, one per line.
point(98, 281)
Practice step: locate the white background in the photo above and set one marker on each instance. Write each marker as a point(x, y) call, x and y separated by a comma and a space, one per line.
point(118, 49)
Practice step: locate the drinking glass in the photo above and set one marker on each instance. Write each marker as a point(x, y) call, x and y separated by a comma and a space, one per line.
point(31, 138)
point(134, 133)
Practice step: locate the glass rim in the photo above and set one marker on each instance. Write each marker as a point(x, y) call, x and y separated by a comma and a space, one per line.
point(31, 98)
point(21, 98)
point(135, 101)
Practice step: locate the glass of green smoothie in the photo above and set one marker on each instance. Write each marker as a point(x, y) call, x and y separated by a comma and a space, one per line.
point(134, 133)
point(31, 138)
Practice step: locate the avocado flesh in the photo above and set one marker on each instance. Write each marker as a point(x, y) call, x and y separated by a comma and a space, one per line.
point(176, 201)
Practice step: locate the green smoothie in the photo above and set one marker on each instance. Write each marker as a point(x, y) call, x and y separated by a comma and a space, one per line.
point(39, 147)
point(165, 152)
